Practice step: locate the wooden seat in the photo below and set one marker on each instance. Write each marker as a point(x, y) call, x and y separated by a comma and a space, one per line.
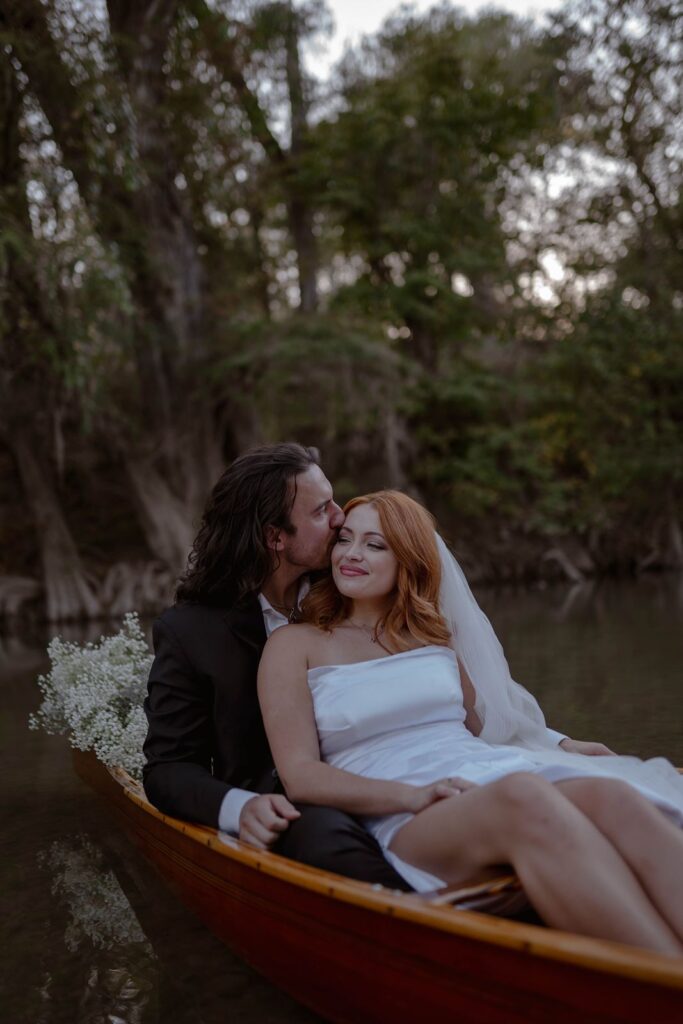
point(495, 892)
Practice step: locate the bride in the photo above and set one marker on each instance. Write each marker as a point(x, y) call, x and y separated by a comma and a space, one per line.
point(393, 701)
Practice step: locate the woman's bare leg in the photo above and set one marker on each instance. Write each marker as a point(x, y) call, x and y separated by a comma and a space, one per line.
point(572, 874)
point(647, 841)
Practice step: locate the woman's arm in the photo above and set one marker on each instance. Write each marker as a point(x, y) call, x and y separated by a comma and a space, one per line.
point(472, 720)
point(289, 719)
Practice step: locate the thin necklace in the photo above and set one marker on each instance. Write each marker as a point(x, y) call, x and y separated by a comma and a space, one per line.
point(287, 610)
point(372, 633)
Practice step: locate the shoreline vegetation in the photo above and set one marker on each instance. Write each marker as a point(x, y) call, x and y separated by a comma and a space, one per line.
point(454, 265)
point(147, 587)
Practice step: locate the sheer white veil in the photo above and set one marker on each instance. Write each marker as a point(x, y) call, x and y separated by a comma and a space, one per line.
point(510, 714)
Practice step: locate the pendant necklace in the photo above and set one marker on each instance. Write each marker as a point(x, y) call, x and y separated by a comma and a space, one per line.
point(372, 633)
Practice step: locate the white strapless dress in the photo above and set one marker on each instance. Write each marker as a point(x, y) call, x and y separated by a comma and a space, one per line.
point(402, 718)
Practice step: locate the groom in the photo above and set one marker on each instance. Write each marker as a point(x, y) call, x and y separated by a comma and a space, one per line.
point(270, 521)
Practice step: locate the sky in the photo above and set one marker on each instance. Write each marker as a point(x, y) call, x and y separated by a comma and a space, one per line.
point(355, 18)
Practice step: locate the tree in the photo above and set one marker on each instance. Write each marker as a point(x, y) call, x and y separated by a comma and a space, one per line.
point(35, 355)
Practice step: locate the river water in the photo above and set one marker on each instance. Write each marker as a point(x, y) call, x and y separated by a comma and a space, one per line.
point(91, 936)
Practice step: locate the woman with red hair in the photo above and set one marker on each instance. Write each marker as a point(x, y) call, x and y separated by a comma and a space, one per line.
point(372, 705)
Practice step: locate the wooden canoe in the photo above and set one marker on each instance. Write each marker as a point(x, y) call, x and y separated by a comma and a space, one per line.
point(357, 953)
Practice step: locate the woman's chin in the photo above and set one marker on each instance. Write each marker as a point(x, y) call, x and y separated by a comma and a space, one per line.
point(345, 588)
point(348, 586)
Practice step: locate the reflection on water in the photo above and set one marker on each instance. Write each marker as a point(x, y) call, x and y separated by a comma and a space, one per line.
point(120, 977)
point(98, 908)
point(604, 660)
point(90, 935)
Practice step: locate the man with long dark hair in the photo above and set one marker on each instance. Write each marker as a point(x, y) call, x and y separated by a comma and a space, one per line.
point(270, 521)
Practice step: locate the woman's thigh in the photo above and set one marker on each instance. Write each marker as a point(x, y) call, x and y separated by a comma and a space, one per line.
point(613, 805)
point(461, 835)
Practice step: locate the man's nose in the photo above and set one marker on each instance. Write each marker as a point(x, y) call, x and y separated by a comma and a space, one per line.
point(337, 517)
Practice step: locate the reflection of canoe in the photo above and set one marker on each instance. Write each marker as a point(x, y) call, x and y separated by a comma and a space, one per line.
point(355, 953)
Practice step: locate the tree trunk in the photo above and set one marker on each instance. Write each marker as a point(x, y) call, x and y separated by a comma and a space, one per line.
point(28, 395)
point(394, 436)
point(68, 592)
point(300, 213)
point(166, 521)
point(223, 53)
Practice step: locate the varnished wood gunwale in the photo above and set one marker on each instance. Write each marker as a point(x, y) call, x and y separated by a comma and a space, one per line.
point(274, 912)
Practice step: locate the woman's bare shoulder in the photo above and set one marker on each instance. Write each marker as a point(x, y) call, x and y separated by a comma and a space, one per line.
point(292, 639)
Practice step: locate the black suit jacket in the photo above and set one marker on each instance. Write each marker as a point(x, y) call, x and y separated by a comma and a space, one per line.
point(205, 730)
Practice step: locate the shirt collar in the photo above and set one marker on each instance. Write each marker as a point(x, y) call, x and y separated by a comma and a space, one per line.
point(272, 618)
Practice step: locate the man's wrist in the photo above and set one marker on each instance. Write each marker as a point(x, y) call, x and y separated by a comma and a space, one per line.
point(231, 809)
point(557, 737)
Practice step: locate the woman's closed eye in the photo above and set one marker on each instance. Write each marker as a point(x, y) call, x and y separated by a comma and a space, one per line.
point(371, 544)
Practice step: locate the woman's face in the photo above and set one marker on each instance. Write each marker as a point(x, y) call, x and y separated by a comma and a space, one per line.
point(363, 565)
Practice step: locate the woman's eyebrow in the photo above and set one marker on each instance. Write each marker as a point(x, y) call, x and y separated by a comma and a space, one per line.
point(369, 533)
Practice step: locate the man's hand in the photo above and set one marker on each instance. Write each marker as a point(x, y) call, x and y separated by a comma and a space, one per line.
point(264, 819)
point(585, 747)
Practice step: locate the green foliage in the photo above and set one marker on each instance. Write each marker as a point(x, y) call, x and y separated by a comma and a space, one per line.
point(421, 187)
point(433, 110)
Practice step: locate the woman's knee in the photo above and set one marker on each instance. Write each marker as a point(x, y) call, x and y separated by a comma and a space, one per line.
point(527, 806)
point(603, 800)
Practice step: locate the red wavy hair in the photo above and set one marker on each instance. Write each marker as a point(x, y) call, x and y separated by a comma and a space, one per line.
point(414, 614)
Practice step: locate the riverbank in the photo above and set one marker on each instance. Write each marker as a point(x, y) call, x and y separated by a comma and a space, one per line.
point(492, 558)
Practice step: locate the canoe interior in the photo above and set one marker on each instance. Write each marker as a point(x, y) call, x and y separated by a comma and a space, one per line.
point(354, 953)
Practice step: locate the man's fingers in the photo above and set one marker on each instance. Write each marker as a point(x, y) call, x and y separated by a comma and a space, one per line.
point(276, 814)
point(263, 833)
point(283, 807)
point(265, 818)
point(247, 836)
point(276, 824)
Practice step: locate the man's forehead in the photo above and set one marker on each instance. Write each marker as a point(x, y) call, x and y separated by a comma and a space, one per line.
point(312, 488)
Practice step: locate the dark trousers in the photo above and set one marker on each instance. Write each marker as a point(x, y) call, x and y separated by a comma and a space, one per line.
point(334, 841)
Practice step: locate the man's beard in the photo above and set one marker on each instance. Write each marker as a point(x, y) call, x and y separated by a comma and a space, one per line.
point(301, 560)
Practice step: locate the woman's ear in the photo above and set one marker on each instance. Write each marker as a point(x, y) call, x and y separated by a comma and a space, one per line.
point(274, 541)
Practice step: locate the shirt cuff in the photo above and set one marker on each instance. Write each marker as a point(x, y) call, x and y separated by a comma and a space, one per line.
point(231, 808)
point(557, 737)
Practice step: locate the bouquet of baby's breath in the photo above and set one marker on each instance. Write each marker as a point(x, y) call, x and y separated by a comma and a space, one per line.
point(94, 694)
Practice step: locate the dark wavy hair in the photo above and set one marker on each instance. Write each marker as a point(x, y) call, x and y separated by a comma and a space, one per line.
point(230, 557)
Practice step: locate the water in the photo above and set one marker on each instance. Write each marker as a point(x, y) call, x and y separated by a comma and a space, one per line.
point(90, 935)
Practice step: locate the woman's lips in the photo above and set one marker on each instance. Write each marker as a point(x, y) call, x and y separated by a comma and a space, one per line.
point(347, 570)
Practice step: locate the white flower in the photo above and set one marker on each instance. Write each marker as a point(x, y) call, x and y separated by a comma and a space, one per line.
point(94, 694)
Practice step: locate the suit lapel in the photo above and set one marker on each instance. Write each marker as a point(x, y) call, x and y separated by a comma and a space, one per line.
point(246, 622)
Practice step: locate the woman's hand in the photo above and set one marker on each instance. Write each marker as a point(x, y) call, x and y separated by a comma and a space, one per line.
point(585, 747)
point(419, 797)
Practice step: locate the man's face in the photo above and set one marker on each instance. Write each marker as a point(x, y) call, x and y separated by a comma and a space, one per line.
point(315, 518)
